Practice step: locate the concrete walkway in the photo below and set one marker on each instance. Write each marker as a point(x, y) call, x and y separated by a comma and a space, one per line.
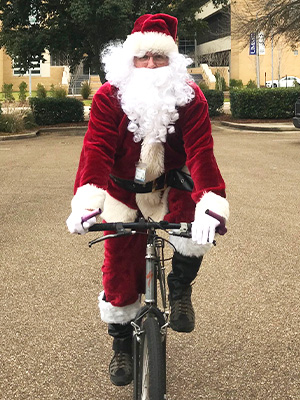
point(261, 126)
point(246, 342)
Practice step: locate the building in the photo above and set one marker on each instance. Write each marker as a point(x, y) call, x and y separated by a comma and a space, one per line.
point(221, 47)
point(52, 71)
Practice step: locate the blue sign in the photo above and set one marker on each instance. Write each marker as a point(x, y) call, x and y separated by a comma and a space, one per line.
point(252, 49)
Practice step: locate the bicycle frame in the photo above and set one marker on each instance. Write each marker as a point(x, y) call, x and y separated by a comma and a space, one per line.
point(150, 324)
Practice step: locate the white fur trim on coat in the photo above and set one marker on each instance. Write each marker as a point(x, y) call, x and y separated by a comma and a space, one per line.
point(153, 155)
point(187, 247)
point(153, 205)
point(115, 211)
point(213, 202)
point(138, 43)
point(88, 197)
point(117, 315)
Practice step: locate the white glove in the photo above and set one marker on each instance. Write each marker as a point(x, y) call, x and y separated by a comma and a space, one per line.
point(204, 228)
point(75, 225)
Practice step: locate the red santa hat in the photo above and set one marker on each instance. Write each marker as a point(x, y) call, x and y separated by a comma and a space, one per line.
point(154, 33)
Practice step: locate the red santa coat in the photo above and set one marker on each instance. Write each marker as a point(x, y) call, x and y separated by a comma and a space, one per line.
point(109, 148)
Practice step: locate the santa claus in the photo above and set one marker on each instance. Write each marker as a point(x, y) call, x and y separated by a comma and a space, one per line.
point(149, 121)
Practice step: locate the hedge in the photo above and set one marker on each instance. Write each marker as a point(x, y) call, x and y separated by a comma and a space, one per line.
point(263, 103)
point(215, 100)
point(51, 111)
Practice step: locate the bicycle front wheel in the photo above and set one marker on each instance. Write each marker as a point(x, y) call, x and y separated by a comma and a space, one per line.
point(152, 379)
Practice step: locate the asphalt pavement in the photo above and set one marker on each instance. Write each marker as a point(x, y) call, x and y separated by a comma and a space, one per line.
point(53, 345)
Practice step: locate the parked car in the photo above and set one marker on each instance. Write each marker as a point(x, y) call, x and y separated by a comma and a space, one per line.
point(286, 81)
point(296, 118)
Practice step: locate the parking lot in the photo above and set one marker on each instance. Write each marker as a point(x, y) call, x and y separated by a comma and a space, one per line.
point(246, 342)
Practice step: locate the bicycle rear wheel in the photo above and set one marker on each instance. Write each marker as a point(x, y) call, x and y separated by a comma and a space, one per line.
point(152, 371)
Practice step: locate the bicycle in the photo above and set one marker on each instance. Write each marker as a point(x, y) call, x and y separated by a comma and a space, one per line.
point(151, 322)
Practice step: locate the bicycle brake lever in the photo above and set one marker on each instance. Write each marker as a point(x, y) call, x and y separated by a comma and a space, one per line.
point(181, 234)
point(113, 235)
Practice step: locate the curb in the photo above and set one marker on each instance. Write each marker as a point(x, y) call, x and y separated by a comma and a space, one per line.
point(253, 127)
point(71, 130)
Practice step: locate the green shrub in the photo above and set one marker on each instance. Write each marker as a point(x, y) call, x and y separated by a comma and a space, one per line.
point(17, 121)
point(22, 91)
point(220, 82)
point(215, 100)
point(58, 92)
point(85, 90)
point(51, 111)
point(7, 89)
point(235, 83)
point(11, 123)
point(41, 92)
point(263, 103)
point(29, 120)
point(251, 84)
point(0, 109)
point(203, 85)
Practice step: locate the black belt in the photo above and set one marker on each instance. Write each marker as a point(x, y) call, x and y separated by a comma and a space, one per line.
point(175, 178)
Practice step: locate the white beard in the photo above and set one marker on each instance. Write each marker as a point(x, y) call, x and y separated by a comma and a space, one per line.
point(150, 104)
point(150, 98)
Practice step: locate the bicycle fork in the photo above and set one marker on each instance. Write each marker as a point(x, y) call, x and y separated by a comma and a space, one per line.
point(150, 290)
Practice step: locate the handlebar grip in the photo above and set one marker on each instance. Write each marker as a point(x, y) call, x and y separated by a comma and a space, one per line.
point(103, 227)
point(221, 229)
point(91, 215)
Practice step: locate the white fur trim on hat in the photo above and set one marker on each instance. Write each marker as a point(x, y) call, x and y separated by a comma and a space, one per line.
point(115, 211)
point(213, 202)
point(138, 43)
point(88, 197)
point(117, 315)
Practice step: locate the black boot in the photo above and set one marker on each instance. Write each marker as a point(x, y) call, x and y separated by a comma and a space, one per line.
point(121, 365)
point(184, 271)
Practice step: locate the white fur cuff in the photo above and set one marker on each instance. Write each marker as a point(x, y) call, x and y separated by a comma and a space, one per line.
point(187, 247)
point(117, 315)
point(115, 211)
point(213, 202)
point(88, 197)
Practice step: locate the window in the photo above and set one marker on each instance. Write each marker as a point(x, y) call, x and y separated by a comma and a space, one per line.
point(36, 70)
point(58, 60)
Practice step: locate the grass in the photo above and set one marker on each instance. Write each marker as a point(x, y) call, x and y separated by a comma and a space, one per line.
point(33, 94)
point(87, 102)
point(16, 95)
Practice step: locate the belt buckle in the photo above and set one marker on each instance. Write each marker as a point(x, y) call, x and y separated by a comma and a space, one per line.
point(154, 185)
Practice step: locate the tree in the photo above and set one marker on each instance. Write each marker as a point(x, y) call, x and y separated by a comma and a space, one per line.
point(80, 28)
point(277, 19)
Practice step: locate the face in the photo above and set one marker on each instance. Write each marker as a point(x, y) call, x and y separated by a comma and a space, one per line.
point(151, 60)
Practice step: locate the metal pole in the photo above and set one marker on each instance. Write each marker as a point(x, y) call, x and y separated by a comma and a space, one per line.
point(257, 62)
point(196, 62)
point(272, 48)
point(257, 57)
point(29, 82)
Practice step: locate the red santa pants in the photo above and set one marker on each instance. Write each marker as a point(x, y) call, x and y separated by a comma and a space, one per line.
point(124, 264)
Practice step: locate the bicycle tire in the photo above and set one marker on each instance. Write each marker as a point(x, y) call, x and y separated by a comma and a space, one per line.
point(152, 363)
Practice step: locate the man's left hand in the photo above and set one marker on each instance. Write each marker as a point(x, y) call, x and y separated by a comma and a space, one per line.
point(204, 228)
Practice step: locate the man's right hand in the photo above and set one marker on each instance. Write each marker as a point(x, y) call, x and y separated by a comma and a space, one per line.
point(75, 224)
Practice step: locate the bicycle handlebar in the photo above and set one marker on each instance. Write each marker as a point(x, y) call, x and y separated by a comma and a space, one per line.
point(143, 225)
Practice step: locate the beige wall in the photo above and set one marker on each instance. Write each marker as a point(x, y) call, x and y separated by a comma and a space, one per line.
point(49, 75)
point(243, 65)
